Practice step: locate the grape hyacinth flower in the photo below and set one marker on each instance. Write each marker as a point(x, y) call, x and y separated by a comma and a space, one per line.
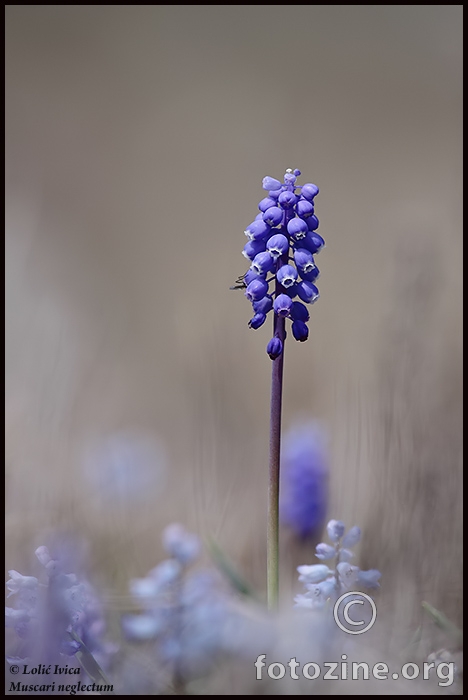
point(323, 583)
point(281, 279)
point(282, 242)
point(184, 612)
point(304, 479)
point(54, 620)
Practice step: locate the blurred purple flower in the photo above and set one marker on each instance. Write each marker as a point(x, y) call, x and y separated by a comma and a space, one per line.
point(304, 479)
point(49, 617)
point(185, 612)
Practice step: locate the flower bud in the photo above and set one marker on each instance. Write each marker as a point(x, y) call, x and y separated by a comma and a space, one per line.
point(352, 537)
point(269, 183)
point(273, 216)
point(274, 348)
point(257, 321)
point(304, 260)
point(313, 242)
point(263, 306)
point(299, 312)
point(262, 263)
point(307, 291)
point(310, 276)
point(304, 208)
point(282, 304)
point(313, 573)
point(324, 551)
point(289, 178)
point(287, 199)
point(257, 230)
point(250, 275)
point(348, 573)
point(274, 194)
point(300, 331)
point(266, 203)
point(297, 228)
point(277, 245)
point(256, 289)
point(369, 579)
point(252, 248)
point(286, 275)
point(309, 191)
point(335, 529)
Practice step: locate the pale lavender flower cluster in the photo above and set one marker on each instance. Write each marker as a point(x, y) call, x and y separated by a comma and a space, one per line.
point(323, 583)
point(53, 619)
point(283, 240)
point(184, 611)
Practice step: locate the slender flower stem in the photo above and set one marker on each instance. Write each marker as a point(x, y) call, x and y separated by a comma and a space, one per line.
point(274, 469)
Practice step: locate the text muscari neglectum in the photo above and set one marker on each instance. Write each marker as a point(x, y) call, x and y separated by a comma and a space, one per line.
point(19, 687)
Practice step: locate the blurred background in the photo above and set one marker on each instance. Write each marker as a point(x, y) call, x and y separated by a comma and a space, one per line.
point(137, 138)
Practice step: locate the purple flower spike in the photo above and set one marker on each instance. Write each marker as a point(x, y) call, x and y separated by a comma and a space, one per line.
point(257, 321)
point(273, 216)
point(304, 208)
point(252, 248)
point(287, 199)
point(269, 183)
point(309, 191)
point(281, 248)
point(286, 275)
point(307, 291)
point(256, 289)
point(257, 230)
point(300, 331)
point(304, 480)
point(274, 348)
point(282, 304)
point(297, 229)
point(304, 260)
point(262, 263)
point(277, 245)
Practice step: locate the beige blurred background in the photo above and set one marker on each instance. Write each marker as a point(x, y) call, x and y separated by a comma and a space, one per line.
point(137, 138)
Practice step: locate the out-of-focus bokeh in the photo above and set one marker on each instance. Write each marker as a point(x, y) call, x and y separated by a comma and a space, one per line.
point(137, 138)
